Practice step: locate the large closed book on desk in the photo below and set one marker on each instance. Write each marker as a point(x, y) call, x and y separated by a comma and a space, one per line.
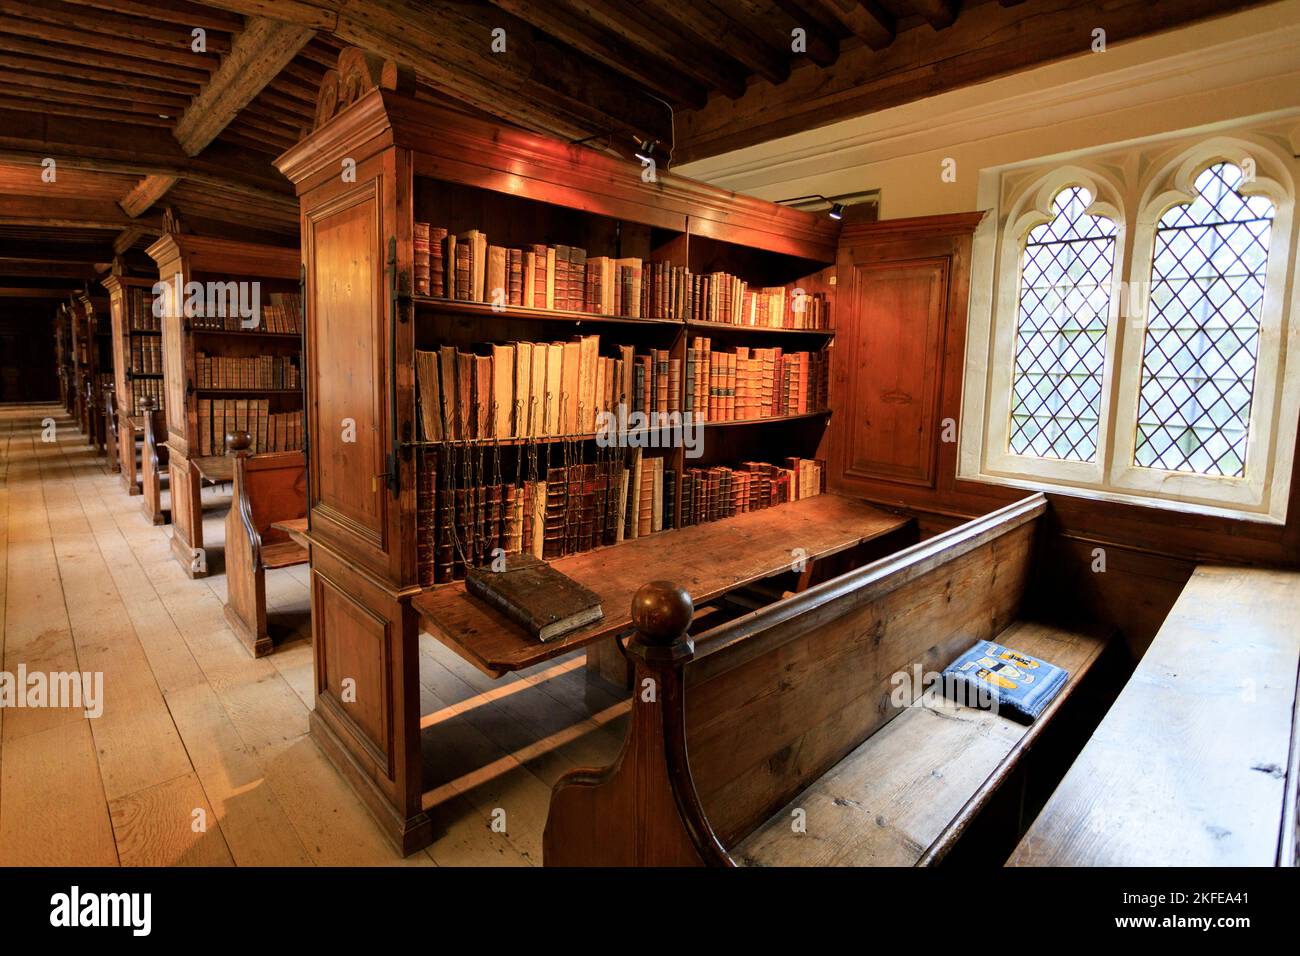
point(530, 592)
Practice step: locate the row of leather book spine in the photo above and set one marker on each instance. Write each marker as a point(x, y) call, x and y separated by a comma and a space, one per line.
point(280, 313)
point(140, 315)
point(575, 509)
point(246, 371)
point(146, 354)
point(142, 388)
point(270, 431)
point(539, 389)
point(710, 494)
point(466, 267)
point(750, 383)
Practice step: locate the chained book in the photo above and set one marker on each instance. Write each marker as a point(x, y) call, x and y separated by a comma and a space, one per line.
point(530, 592)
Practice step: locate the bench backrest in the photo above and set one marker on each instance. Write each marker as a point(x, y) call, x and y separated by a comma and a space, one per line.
point(110, 410)
point(155, 439)
point(766, 704)
point(271, 487)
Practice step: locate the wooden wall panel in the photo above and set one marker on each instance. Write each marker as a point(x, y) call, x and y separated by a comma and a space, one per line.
point(354, 649)
point(892, 354)
point(346, 365)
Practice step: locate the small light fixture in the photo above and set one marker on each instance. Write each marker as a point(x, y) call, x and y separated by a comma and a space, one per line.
point(836, 211)
point(645, 150)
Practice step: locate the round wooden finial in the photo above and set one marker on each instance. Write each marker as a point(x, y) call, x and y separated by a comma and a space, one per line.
point(238, 441)
point(661, 612)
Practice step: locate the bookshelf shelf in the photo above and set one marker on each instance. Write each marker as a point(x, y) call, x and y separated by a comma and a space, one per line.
point(485, 310)
point(199, 417)
point(697, 326)
point(770, 419)
point(374, 491)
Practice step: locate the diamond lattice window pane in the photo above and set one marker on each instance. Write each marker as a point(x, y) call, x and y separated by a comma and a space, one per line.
point(1065, 275)
point(1202, 336)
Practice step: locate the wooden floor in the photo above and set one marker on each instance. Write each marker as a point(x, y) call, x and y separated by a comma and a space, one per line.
point(201, 755)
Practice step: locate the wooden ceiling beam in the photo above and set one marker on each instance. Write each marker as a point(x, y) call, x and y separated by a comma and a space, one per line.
point(18, 292)
point(537, 83)
point(867, 19)
point(21, 99)
point(257, 56)
point(643, 30)
point(14, 24)
point(73, 54)
point(607, 48)
point(146, 192)
point(63, 213)
point(940, 14)
point(128, 237)
point(171, 11)
point(36, 268)
point(726, 36)
point(161, 102)
point(986, 41)
point(28, 136)
point(42, 69)
point(166, 35)
point(823, 45)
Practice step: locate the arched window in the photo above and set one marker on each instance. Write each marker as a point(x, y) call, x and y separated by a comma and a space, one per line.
point(1208, 277)
point(1061, 332)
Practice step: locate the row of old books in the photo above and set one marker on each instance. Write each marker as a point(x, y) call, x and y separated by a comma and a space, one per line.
point(709, 494)
point(281, 313)
point(466, 267)
point(750, 383)
point(248, 371)
point(539, 389)
point(146, 355)
point(576, 508)
point(140, 315)
point(271, 431)
point(142, 388)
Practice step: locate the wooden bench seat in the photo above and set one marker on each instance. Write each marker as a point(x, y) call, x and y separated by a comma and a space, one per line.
point(811, 703)
point(1195, 764)
point(268, 488)
point(945, 759)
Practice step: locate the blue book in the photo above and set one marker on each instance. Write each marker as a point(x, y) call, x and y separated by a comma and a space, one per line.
point(994, 677)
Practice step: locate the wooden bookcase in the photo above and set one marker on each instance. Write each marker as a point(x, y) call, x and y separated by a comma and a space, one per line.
point(63, 357)
point(137, 365)
point(184, 259)
point(92, 352)
point(416, 162)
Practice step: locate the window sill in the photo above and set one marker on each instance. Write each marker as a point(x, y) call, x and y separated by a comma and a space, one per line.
point(1132, 499)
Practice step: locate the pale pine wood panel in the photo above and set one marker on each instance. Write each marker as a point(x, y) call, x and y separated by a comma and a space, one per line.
point(54, 812)
point(169, 824)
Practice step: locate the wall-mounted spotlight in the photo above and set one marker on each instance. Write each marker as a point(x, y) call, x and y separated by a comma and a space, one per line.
point(645, 150)
point(836, 210)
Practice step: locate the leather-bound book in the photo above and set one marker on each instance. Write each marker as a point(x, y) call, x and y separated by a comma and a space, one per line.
point(561, 295)
point(593, 503)
point(498, 279)
point(426, 375)
point(493, 512)
point(645, 498)
point(519, 410)
point(536, 518)
point(557, 496)
point(420, 250)
point(501, 404)
point(670, 498)
point(437, 261)
point(482, 400)
point(512, 518)
point(539, 277)
point(573, 510)
point(463, 268)
point(577, 277)
point(657, 492)
point(533, 594)
point(444, 548)
point(426, 509)
point(466, 420)
point(515, 276)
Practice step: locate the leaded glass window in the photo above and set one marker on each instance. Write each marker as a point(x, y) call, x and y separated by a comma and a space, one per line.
point(1061, 332)
point(1202, 335)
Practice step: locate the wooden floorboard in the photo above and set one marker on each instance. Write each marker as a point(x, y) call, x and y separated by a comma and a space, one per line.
point(194, 729)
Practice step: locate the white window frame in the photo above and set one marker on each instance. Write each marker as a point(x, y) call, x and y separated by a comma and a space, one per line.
point(1262, 494)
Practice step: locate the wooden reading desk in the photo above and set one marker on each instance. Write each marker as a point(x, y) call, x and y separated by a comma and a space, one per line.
point(214, 469)
point(708, 560)
point(295, 528)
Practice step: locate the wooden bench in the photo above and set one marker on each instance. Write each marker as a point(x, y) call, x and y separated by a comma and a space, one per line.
point(113, 463)
point(268, 488)
point(799, 706)
point(1195, 764)
point(154, 460)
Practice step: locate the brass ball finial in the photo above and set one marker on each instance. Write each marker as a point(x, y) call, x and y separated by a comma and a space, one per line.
point(661, 612)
